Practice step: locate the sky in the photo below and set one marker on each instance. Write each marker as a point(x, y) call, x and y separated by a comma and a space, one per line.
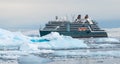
point(31, 14)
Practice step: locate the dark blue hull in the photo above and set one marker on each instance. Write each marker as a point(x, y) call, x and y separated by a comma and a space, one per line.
point(77, 34)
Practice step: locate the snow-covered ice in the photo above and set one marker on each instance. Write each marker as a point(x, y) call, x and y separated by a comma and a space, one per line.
point(108, 40)
point(58, 41)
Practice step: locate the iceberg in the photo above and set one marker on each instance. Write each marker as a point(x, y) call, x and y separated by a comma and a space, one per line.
point(58, 41)
point(12, 40)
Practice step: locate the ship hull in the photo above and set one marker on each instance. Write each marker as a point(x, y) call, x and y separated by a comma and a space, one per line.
point(77, 34)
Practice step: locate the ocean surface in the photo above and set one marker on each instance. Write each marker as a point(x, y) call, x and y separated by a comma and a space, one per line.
point(17, 48)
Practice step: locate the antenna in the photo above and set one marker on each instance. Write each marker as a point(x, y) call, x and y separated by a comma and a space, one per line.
point(66, 17)
point(73, 17)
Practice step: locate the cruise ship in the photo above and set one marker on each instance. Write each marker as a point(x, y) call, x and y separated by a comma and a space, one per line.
point(79, 28)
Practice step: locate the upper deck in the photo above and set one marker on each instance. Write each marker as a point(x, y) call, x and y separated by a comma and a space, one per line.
point(77, 25)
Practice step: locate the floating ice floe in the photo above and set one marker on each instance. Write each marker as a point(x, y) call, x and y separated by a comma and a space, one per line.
point(108, 40)
point(12, 40)
point(104, 40)
point(58, 41)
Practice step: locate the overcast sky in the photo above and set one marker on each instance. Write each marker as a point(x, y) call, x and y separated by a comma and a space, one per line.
point(30, 14)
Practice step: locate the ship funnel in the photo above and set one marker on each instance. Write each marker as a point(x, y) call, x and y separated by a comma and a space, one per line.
point(86, 17)
point(79, 17)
